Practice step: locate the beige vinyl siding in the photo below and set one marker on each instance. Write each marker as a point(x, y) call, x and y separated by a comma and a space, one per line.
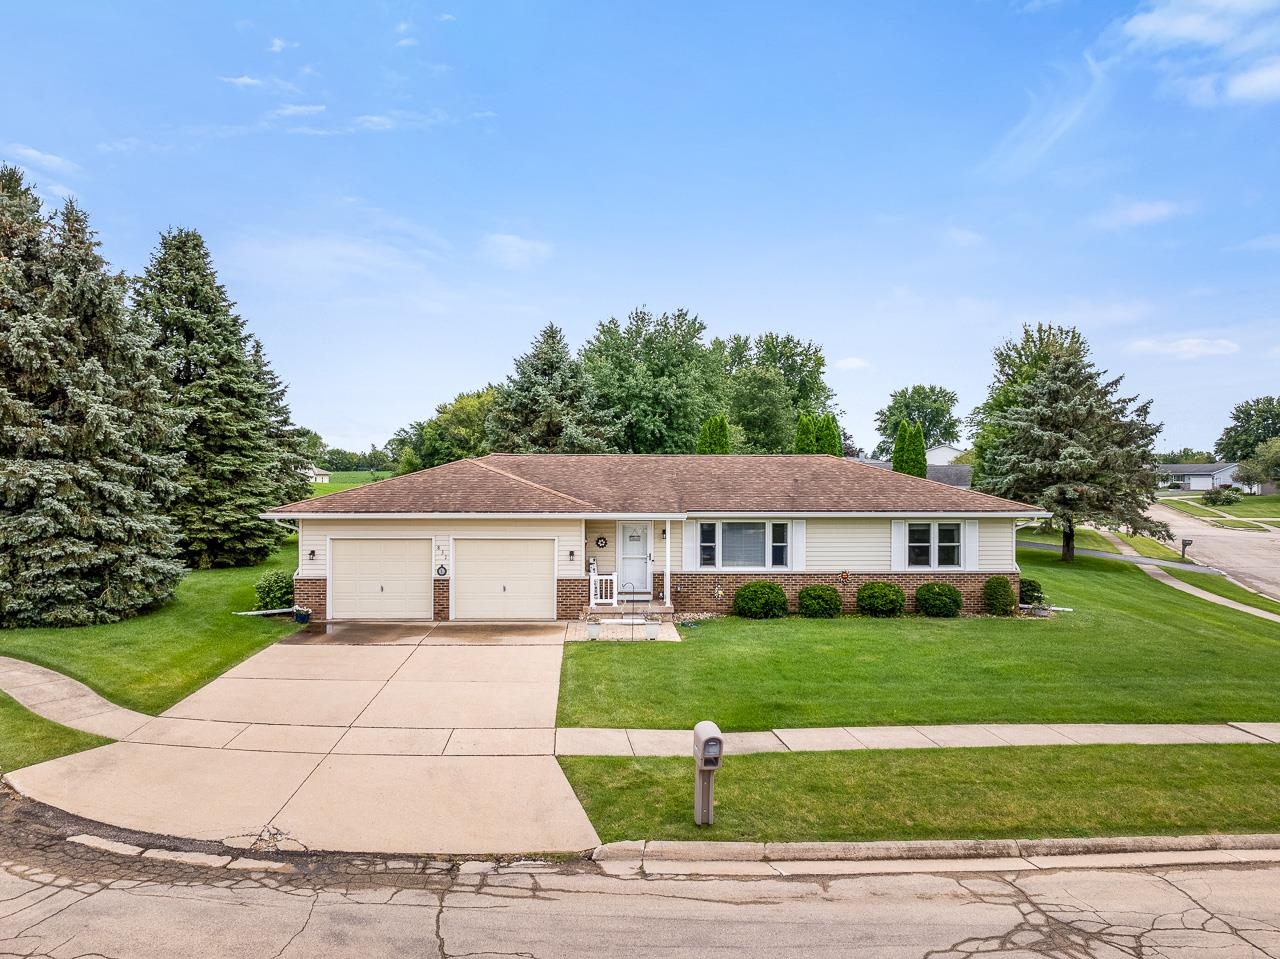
point(313, 534)
point(996, 545)
point(852, 544)
point(607, 558)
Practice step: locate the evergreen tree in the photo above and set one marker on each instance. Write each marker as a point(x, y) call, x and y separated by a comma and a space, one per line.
point(292, 443)
point(231, 462)
point(714, 437)
point(806, 434)
point(1069, 443)
point(548, 405)
point(829, 438)
point(908, 450)
point(83, 479)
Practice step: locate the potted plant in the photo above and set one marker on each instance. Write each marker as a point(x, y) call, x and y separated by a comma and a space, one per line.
point(593, 627)
point(301, 615)
point(651, 626)
point(1040, 609)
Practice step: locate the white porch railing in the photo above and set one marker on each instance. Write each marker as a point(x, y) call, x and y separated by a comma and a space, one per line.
point(604, 589)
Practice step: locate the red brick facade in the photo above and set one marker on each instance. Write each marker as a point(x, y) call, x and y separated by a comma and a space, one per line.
point(697, 592)
point(313, 594)
point(440, 598)
point(572, 596)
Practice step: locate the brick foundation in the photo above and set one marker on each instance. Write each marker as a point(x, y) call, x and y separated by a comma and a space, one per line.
point(571, 596)
point(313, 594)
point(696, 592)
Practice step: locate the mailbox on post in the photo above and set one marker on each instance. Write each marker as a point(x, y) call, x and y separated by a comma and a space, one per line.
point(708, 750)
point(1185, 544)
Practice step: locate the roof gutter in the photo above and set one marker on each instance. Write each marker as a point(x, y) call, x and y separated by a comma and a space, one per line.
point(717, 514)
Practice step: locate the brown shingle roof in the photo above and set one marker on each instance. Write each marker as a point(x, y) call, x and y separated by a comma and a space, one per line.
point(633, 483)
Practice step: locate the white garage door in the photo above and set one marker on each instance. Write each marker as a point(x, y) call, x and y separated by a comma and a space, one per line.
point(504, 579)
point(380, 579)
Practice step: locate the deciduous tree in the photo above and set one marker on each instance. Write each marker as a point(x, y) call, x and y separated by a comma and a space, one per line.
point(932, 407)
point(1252, 422)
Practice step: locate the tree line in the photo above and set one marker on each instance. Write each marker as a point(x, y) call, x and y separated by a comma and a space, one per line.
point(142, 427)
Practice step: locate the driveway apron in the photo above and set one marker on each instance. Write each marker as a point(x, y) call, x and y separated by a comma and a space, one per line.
point(413, 739)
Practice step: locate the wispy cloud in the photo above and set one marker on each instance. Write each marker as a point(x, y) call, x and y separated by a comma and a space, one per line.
point(400, 120)
point(1051, 115)
point(130, 145)
point(404, 26)
point(446, 17)
point(298, 110)
point(279, 45)
point(49, 162)
point(1124, 214)
point(244, 81)
point(851, 363)
point(1257, 83)
point(962, 237)
point(407, 42)
point(1268, 242)
point(1185, 348)
point(513, 252)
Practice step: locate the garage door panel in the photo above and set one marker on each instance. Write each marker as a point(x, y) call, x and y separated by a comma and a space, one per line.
point(504, 579)
point(381, 579)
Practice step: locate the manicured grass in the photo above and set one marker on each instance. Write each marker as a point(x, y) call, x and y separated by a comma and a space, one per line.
point(324, 489)
point(1239, 524)
point(1190, 507)
point(1255, 506)
point(356, 477)
point(1133, 651)
point(150, 662)
point(1022, 792)
point(1221, 586)
point(1146, 546)
point(27, 739)
point(1085, 539)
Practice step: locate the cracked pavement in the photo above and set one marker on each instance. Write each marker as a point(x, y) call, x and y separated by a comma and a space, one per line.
point(65, 901)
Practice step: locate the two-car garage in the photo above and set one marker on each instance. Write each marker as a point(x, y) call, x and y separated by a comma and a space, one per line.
point(493, 579)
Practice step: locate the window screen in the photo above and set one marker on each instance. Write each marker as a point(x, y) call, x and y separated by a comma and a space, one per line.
point(778, 548)
point(706, 544)
point(918, 542)
point(948, 544)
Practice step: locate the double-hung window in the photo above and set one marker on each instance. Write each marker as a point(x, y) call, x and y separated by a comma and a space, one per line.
point(933, 545)
point(743, 544)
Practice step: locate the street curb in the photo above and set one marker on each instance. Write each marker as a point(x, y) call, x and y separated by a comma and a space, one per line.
point(706, 851)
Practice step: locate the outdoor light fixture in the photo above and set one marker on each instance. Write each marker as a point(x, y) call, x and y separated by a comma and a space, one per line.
point(571, 556)
point(311, 555)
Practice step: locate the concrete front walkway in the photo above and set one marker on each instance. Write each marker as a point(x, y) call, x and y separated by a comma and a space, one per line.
point(406, 746)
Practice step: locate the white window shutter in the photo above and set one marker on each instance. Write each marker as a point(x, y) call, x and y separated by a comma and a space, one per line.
point(898, 545)
point(970, 560)
point(797, 545)
point(690, 544)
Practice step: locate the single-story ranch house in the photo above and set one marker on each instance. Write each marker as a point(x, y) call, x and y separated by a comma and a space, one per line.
point(531, 537)
point(1199, 476)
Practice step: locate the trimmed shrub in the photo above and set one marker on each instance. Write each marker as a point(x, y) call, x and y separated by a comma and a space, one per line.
point(1221, 496)
point(1030, 592)
point(819, 602)
point(275, 590)
point(997, 596)
point(939, 599)
point(878, 598)
point(760, 600)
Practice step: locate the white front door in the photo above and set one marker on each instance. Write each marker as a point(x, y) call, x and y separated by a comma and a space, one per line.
point(634, 562)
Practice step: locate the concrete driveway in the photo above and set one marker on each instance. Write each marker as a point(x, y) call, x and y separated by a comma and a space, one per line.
point(1251, 557)
point(436, 742)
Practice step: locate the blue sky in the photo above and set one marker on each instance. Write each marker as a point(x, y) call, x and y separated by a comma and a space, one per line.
point(399, 195)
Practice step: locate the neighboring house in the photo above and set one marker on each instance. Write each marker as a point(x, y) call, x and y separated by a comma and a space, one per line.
point(516, 537)
point(958, 476)
point(318, 475)
point(942, 455)
point(1198, 476)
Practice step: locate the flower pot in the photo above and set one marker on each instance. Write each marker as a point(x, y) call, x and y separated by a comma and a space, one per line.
point(1041, 611)
point(302, 616)
point(651, 629)
point(593, 630)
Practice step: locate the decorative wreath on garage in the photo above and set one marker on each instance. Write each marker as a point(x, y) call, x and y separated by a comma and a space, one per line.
point(601, 542)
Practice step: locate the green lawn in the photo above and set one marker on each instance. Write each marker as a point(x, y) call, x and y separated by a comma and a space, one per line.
point(1240, 524)
point(1085, 539)
point(1146, 546)
point(356, 477)
point(27, 739)
point(1022, 792)
point(150, 662)
point(1134, 650)
point(1255, 506)
point(324, 489)
point(1221, 586)
point(1191, 507)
